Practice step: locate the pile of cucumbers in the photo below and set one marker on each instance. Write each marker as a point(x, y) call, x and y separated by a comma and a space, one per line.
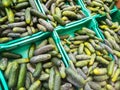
point(89, 57)
point(99, 6)
point(20, 18)
point(42, 70)
point(61, 12)
point(90, 66)
point(94, 62)
point(111, 31)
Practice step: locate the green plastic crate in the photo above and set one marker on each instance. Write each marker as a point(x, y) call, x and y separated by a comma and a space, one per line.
point(97, 15)
point(23, 50)
point(35, 39)
point(89, 23)
point(115, 17)
point(11, 43)
point(71, 23)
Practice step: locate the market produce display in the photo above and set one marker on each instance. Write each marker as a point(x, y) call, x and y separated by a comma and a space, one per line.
point(21, 18)
point(112, 35)
point(59, 45)
point(42, 69)
point(90, 59)
point(99, 6)
point(61, 12)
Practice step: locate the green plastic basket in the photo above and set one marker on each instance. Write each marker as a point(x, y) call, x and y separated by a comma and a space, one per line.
point(89, 23)
point(97, 15)
point(115, 17)
point(23, 50)
point(11, 43)
point(71, 23)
